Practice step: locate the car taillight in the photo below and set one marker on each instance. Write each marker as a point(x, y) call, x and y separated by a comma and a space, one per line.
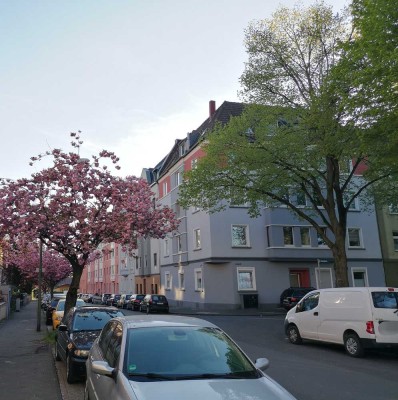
point(293, 299)
point(370, 327)
point(150, 301)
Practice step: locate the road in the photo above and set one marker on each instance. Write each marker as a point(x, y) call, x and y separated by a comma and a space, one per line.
point(311, 371)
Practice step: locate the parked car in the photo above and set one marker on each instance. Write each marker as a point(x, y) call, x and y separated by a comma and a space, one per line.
point(172, 357)
point(134, 302)
point(154, 302)
point(291, 296)
point(87, 297)
point(58, 313)
point(356, 317)
point(105, 297)
point(51, 307)
point(76, 334)
point(112, 300)
point(122, 302)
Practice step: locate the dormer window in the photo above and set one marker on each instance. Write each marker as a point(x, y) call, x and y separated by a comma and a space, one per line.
point(181, 150)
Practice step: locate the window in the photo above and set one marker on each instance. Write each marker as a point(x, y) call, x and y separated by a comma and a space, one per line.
point(167, 280)
point(305, 236)
point(240, 236)
point(155, 259)
point(359, 277)
point(301, 199)
point(288, 236)
point(181, 150)
point(194, 163)
point(196, 238)
point(320, 239)
point(198, 279)
point(166, 247)
point(354, 204)
point(165, 188)
point(181, 280)
point(395, 239)
point(268, 236)
point(393, 208)
point(354, 237)
point(246, 278)
point(179, 244)
point(178, 178)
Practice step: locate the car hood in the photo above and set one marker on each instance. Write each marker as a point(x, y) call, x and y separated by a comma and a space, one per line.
point(211, 389)
point(84, 339)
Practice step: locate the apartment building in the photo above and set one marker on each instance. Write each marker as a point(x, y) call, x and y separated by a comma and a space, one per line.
point(388, 230)
point(229, 260)
point(112, 271)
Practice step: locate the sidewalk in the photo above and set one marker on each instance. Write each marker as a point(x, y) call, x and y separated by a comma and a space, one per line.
point(27, 369)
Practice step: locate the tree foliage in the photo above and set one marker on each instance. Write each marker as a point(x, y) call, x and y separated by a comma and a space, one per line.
point(294, 143)
point(76, 204)
point(26, 258)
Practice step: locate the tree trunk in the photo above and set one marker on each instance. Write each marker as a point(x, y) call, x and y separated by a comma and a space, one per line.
point(71, 296)
point(340, 261)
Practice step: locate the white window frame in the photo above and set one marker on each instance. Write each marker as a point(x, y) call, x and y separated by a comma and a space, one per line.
point(198, 272)
point(165, 188)
point(395, 240)
point(194, 163)
point(308, 229)
point(239, 274)
point(393, 209)
point(179, 244)
point(317, 276)
point(166, 247)
point(284, 237)
point(360, 246)
point(167, 281)
point(365, 272)
point(178, 178)
point(181, 280)
point(247, 237)
point(197, 243)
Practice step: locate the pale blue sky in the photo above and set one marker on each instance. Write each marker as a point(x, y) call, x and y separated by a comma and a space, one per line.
point(133, 75)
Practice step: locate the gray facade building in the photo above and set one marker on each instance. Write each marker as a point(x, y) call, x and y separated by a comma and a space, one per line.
point(229, 260)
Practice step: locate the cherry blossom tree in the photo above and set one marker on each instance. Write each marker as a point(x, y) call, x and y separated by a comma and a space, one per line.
point(26, 258)
point(76, 204)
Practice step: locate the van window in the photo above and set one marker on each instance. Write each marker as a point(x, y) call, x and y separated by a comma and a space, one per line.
point(310, 302)
point(385, 299)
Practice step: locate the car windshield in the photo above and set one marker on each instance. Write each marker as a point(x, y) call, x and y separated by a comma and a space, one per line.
point(61, 304)
point(89, 320)
point(184, 353)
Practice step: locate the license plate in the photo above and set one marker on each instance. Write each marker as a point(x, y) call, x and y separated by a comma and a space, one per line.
point(160, 304)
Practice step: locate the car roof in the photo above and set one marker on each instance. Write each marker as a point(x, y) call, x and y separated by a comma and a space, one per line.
point(150, 321)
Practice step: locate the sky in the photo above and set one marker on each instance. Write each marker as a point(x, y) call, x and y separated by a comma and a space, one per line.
point(132, 75)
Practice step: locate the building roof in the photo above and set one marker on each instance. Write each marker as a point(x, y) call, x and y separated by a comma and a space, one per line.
point(221, 115)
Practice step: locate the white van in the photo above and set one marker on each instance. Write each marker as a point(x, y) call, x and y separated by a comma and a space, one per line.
point(357, 317)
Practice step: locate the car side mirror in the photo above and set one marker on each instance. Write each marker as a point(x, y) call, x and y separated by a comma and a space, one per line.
point(62, 328)
point(299, 307)
point(262, 364)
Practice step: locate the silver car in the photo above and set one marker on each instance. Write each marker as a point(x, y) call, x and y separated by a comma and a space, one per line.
point(166, 357)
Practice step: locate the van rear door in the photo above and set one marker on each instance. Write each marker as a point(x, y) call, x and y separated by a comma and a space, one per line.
point(385, 314)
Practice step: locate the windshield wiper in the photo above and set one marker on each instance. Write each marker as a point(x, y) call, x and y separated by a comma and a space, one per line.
point(152, 375)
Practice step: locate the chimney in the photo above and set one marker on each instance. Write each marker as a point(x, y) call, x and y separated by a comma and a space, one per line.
point(212, 108)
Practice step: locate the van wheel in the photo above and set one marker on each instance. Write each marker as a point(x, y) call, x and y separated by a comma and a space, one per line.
point(353, 345)
point(294, 335)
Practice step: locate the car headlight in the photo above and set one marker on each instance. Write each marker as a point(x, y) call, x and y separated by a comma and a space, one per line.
point(81, 353)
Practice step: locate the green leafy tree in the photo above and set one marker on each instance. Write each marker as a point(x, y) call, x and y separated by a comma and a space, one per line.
point(294, 143)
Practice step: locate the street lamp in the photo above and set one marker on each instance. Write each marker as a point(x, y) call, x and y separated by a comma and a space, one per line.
point(39, 288)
